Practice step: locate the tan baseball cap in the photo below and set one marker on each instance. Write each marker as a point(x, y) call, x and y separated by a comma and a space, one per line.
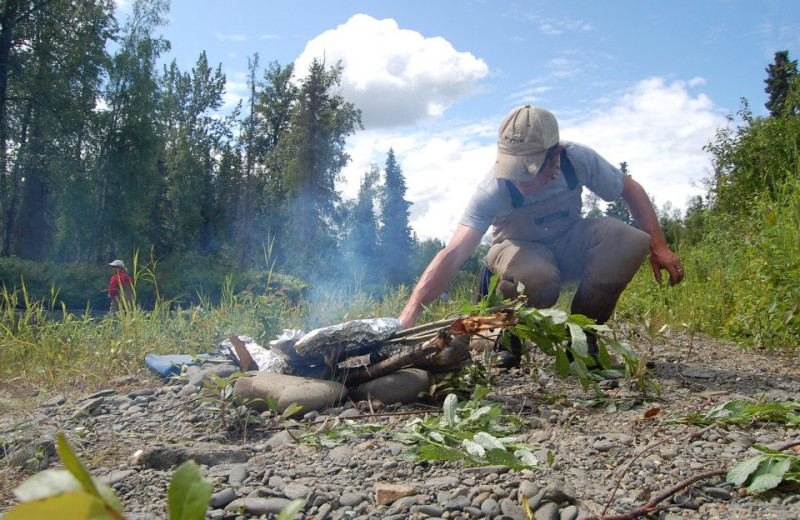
point(525, 135)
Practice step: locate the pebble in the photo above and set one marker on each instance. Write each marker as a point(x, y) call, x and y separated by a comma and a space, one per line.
point(256, 477)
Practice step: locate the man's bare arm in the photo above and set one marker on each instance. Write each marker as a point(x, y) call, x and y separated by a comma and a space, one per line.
point(661, 257)
point(440, 272)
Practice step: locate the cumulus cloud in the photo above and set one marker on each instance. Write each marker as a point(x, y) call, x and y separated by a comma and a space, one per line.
point(395, 76)
point(659, 128)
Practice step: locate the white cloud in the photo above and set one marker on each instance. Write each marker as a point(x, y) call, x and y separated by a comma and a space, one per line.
point(658, 128)
point(395, 76)
point(230, 37)
point(235, 90)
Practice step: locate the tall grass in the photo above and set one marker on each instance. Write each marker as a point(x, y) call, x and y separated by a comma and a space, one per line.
point(742, 281)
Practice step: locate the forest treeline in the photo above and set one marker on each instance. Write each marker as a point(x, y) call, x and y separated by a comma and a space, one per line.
point(109, 150)
point(105, 153)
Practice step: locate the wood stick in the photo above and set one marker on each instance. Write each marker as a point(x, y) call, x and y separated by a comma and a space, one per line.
point(401, 360)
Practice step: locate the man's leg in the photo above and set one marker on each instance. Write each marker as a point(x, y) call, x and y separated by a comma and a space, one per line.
point(528, 263)
point(611, 253)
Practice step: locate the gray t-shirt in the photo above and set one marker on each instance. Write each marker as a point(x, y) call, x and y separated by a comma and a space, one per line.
point(491, 201)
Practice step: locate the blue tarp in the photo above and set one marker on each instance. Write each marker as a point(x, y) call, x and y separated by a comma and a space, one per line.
point(167, 365)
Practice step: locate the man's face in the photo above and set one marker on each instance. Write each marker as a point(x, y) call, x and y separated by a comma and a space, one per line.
point(546, 174)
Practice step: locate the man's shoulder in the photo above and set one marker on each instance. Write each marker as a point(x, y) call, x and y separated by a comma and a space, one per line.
point(578, 149)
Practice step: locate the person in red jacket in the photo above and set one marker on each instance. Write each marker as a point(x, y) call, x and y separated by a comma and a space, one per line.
point(120, 286)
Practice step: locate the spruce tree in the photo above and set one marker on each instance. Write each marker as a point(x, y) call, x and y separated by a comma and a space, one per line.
point(362, 241)
point(395, 234)
point(618, 209)
point(321, 120)
point(780, 75)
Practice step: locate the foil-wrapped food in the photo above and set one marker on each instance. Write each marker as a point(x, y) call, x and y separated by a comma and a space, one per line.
point(347, 339)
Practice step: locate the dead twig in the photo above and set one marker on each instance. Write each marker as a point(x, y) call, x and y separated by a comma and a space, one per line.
point(402, 360)
point(652, 506)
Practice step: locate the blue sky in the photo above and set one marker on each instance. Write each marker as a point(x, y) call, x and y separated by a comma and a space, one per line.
point(644, 82)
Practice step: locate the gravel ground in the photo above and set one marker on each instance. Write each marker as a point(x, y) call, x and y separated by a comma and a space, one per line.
point(603, 461)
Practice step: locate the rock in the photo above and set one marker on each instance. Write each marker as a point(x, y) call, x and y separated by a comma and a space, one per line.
point(490, 508)
point(387, 493)
point(310, 394)
point(511, 509)
point(569, 513)
point(166, 456)
point(222, 370)
point(403, 386)
point(116, 476)
point(57, 400)
point(559, 491)
point(222, 498)
point(258, 505)
point(237, 475)
point(547, 511)
point(293, 491)
point(351, 499)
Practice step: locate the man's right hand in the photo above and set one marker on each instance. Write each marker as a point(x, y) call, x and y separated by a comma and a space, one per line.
point(440, 272)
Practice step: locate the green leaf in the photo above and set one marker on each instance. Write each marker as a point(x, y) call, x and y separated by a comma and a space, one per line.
point(504, 458)
point(188, 495)
point(477, 414)
point(562, 363)
point(432, 452)
point(291, 509)
point(78, 505)
point(763, 483)
point(527, 457)
point(436, 436)
point(488, 441)
point(742, 470)
point(473, 448)
point(47, 483)
point(480, 392)
point(75, 466)
point(578, 343)
point(291, 410)
point(449, 409)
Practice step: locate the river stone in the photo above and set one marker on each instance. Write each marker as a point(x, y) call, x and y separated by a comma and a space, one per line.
point(548, 511)
point(222, 498)
point(222, 370)
point(258, 505)
point(403, 386)
point(386, 493)
point(310, 394)
point(165, 456)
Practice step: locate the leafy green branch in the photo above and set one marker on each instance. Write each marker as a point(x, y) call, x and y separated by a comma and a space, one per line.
point(564, 337)
point(745, 413)
point(474, 431)
point(772, 469)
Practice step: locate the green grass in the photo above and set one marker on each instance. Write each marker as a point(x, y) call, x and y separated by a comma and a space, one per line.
point(742, 282)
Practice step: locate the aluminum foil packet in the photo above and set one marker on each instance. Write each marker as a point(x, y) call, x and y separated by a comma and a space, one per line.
point(354, 336)
point(284, 345)
point(266, 360)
